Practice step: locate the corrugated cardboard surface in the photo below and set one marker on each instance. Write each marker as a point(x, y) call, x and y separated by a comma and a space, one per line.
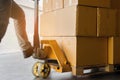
point(114, 50)
point(47, 24)
point(91, 51)
point(115, 4)
point(106, 22)
point(95, 3)
point(70, 21)
point(57, 4)
point(80, 21)
point(47, 5)
point(118, 23)
point(86, 21)
point(83, 51)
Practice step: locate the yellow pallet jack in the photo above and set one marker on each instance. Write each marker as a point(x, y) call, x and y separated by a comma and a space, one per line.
point(55, 58)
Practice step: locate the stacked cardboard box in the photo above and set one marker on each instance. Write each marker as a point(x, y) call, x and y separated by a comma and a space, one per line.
point(95, 3)
point(114, 50)
point(79, 21)
point(47, 5)
point(82, 28)
point(51, 5)
point(114, 41)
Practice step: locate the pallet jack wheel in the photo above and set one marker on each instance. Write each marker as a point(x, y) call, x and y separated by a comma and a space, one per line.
point(35, 69)
point(45, 70)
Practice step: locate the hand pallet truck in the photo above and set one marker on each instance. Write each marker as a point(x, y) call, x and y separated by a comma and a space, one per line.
point(55, 57)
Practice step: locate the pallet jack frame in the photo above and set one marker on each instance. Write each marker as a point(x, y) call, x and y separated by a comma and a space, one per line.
point(55, 59)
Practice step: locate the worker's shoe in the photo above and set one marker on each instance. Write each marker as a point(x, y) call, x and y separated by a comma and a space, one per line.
point(39, 54)
point(27, 53)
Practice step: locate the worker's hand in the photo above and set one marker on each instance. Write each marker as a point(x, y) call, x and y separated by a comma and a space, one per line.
point(39, 53)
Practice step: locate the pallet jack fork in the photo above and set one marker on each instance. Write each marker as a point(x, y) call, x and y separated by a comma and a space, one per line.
point(55, 59)
point(55, 54)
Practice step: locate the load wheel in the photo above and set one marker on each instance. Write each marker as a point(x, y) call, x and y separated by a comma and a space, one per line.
point(41, 70)
point(35, 69)
point(45, 70)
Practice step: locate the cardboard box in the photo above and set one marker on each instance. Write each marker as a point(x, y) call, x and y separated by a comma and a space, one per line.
point(114, 50)
point(80, 21)
point(95, 3)
point(57, 4)
point(83, 51)
point(106, 22)
point(70, 21)
point(115, 4)
point(118, 23)
point(47, 5)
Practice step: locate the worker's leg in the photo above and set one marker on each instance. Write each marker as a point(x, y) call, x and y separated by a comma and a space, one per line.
point(20, 27)
point(3, 27)
point(4, 17)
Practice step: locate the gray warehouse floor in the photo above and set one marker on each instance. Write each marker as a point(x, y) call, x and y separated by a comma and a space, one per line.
point(14, 67)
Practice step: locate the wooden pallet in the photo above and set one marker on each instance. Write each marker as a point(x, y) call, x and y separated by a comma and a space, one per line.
point(113, 67)
point(88, 70)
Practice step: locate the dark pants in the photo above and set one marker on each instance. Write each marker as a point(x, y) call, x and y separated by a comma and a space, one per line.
point(4, 16)
point(7, 10)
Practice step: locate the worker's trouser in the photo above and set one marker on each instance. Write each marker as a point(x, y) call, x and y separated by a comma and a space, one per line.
point(15, 12)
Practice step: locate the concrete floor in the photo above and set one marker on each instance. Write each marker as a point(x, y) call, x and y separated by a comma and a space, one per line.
point(14, 67)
